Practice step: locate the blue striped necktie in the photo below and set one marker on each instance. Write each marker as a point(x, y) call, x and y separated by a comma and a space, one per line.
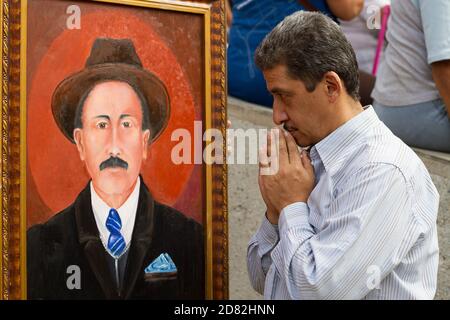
point(116, 242)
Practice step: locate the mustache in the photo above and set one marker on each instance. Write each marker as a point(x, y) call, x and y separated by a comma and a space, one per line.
point(287, 128)
point(113, 162)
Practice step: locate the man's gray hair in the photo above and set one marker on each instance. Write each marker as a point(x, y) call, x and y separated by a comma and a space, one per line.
point(310, 44)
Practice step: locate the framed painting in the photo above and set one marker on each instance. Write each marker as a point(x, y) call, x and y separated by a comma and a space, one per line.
point(105, 190)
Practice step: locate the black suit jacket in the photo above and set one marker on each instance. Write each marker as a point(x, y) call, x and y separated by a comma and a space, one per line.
point(71, 237)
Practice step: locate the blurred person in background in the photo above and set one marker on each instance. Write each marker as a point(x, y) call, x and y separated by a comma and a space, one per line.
point(412, 90)
point(366, 34)
point(252, 20)
point(362, 32)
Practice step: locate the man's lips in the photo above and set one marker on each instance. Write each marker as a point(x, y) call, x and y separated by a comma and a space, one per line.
point(114, 169)
point(289, 128)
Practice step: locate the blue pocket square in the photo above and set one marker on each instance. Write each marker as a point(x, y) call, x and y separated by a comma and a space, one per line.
point(162, 264)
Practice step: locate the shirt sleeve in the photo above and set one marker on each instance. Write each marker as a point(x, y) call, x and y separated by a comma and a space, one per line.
point(436, 27)
point(258, 254)
point(365, 231)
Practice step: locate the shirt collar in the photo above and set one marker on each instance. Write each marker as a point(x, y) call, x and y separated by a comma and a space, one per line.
point(330, 149)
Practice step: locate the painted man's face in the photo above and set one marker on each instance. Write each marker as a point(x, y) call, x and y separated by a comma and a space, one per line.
point(112, 143)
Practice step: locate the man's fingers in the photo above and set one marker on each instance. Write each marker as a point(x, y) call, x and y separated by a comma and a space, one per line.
point(294, 154)
point(269, 143)
point(263, 158)
point(261, 184)
point(283, 156)
point(306, 161)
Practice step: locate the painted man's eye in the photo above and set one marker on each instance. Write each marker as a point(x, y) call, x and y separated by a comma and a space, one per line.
point(102, 125)
point(126, 124)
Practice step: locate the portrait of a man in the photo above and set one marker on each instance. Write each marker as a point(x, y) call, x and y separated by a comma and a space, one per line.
point(115, 241)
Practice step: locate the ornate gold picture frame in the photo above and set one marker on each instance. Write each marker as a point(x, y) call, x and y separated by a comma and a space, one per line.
point(46, 43)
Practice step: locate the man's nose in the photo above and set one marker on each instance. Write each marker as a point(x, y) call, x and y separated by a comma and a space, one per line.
point(279, 115)
point(114, 147)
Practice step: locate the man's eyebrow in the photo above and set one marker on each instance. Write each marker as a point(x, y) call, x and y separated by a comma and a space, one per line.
point(278, 90)
point(124, 116)
point(102, 116)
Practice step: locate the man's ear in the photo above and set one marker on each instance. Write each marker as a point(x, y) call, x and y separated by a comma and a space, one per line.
point(78, 137)
point(333, 86)
point(145, 140)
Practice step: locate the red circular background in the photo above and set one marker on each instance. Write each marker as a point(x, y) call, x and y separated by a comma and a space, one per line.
point(54, 163)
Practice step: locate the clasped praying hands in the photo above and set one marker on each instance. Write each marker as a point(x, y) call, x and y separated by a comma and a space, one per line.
point(286, 174)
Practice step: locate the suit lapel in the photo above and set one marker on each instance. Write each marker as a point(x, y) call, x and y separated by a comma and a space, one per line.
point(94, 250)
point(141, 239)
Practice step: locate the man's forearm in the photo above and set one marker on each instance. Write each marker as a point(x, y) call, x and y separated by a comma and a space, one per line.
point(441, 76)
point(272, 216)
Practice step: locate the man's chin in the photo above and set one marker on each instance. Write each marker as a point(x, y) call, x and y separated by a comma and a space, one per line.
point(300, 140)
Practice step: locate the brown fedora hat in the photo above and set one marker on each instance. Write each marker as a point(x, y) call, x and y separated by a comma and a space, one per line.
point(111, 60)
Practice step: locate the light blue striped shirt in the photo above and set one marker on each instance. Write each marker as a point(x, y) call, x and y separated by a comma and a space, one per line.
point(368, 230)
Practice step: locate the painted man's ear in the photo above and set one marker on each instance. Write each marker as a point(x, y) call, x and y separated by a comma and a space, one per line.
point(146, 139)
point(78, 137)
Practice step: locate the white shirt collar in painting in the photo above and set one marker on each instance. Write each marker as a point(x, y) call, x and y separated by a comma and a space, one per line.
point(127, 213)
